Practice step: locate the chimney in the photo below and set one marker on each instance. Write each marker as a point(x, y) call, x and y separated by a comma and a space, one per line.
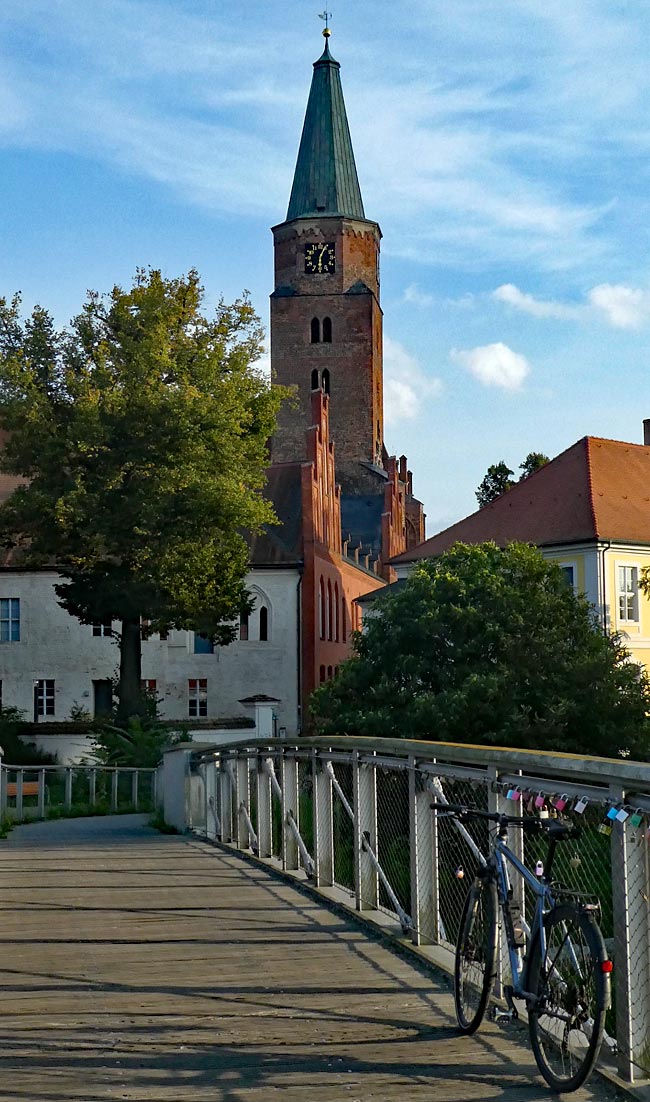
point(646, 431)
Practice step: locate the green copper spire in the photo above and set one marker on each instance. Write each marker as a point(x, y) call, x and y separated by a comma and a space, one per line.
point(325, 180)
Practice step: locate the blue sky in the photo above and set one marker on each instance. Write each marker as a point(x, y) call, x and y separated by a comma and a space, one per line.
point(502, 145)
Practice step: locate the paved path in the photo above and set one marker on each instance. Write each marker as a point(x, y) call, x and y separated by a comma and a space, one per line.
point(141, 966)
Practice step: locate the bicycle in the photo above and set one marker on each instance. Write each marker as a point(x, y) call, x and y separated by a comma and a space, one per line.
point(564, 974)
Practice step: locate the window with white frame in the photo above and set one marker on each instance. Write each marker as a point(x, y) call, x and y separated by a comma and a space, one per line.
point(569, 575)
point(198, 696)
point(148, 686)
point(44, 697)
point(628, 594)
point(103, 629)
point(9, 620)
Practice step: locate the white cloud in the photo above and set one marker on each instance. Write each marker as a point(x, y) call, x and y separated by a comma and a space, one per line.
point(416, 296)
point(406, 386)
point(624, 307)
point(528, 304)
point(494, 365)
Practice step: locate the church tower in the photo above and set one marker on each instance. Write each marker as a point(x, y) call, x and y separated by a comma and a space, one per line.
point(326, 322)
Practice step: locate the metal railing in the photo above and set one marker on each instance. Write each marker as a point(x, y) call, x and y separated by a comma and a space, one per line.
point(346, 815)
point(52, 791)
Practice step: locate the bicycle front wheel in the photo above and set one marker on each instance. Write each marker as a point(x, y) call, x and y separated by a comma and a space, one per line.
point(476, 954)
point(567, 1019)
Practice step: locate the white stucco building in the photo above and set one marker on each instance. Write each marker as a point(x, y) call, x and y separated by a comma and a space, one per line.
point(49, 662)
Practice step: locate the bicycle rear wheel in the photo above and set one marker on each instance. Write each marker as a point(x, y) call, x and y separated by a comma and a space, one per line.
point(476, 954)
point(567, 1021)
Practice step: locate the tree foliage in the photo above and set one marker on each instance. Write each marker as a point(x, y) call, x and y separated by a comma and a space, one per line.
point(497, 480)
point(532, 463)
point(141, 432)
point(489, 646)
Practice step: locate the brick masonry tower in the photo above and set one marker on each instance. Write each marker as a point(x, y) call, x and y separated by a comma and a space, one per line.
point(326, 322)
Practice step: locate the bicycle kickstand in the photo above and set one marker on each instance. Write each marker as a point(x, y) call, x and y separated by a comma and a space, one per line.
point(509, 1015)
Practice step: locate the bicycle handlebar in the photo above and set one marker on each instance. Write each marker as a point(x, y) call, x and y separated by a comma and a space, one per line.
point(553, 827)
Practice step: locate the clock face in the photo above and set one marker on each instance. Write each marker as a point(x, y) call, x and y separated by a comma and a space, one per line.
point(320, 258)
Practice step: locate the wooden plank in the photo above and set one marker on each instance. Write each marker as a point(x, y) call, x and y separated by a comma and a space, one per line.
point(142, 966)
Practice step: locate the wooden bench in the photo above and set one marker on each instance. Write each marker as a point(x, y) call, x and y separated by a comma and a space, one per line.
point(30, 788)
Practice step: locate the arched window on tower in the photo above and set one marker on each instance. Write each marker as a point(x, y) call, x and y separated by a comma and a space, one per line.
point(315, 381)
point(315, 331)
point(329, 610)
point(337, 614)
point(344, 620)
point(264, 624)
point(327, 330)
point(325, 377)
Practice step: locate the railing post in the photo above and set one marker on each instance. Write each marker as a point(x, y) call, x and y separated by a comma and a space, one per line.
point(264, 810)
point(424, 911)
point(496, 805)
point(67, 798)
point(92, 787)
point(366, 880)
point(290, 805)
point(210, 799)
point(3, 787)
point(134, 789)
point(242, 799)
point(632, 946)
point(40, 810)
point(19, 793)
point(114, 783)
point(323, 811)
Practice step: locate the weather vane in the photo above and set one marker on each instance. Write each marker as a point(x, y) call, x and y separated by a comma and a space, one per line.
point(326, 16)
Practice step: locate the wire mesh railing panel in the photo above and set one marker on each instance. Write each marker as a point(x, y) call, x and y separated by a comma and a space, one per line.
point(343, 829)
point(457, 861)
point(637, 842)
point(393, 842)
point(306, 804)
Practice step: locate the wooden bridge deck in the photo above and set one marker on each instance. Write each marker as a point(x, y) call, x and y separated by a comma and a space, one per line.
point(140, 966)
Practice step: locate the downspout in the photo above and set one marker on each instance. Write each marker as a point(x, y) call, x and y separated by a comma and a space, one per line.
point(299, 645)
point(603, 584)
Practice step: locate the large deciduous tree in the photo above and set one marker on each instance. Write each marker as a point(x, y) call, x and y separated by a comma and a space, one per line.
point(490, 646)
point(141, 433)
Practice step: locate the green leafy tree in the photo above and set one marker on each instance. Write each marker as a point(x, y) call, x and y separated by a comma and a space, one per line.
point(498, 479)
point(490, 646)
point(141, 432)
point(138, 743)
point(532, 463)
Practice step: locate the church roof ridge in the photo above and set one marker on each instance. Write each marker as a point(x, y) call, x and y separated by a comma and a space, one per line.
point(325, 179)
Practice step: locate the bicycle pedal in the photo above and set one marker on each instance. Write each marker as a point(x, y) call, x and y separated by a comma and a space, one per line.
point(504, 1016)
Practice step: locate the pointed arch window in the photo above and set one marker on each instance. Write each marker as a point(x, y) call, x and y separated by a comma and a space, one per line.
point(243, 627)
point(325, 377)
point(329, 610)
point(337, 614)
point(344, 620)
point(327, 330)
point(315, 381)
point(264, 624)
point(315, 330)
point(321, 609)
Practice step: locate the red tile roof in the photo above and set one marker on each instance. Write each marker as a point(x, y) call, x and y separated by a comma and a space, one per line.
point(596, 489)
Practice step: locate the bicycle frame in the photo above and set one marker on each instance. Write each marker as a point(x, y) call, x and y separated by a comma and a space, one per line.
point(501, 856)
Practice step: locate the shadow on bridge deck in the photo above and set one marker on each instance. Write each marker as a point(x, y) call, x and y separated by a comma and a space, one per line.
point(141, 966)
